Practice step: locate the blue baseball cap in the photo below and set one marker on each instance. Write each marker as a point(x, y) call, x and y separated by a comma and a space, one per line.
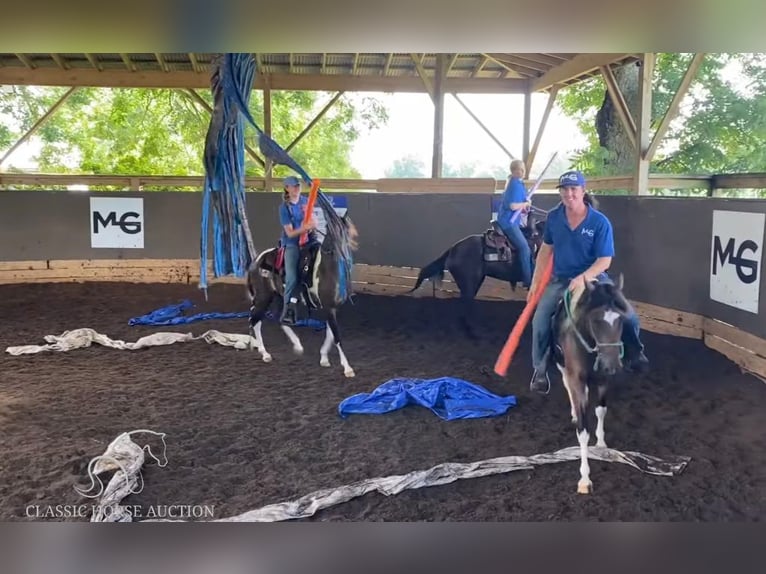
point(291, 180)
point(572, 177)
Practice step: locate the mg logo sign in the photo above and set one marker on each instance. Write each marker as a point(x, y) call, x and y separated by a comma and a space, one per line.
point(117, 222)
point(735, 258)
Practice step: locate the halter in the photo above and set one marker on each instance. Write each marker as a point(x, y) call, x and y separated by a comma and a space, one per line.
point(597, 348)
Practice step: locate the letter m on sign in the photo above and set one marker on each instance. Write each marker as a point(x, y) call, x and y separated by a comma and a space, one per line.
point(736, 251)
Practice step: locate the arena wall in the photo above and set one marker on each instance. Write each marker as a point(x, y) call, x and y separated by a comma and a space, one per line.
point(666, 249)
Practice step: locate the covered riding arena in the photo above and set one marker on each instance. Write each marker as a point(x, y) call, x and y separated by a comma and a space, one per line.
point(243, 434)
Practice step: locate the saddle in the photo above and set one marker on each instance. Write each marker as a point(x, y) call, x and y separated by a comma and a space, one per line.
point(306, 263)
point(497, 246)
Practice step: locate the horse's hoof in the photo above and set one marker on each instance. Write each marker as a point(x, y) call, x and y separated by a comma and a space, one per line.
point(298, 350)
point(266, 358)
point(601, 444)
point(349, 373)
point(584, 487)
point(324, 362)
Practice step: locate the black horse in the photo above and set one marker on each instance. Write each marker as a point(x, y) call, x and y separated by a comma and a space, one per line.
point(324, 284)
point(476, 257)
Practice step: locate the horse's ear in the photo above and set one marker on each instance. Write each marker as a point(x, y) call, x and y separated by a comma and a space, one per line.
point(590, 285)
point(620, 281)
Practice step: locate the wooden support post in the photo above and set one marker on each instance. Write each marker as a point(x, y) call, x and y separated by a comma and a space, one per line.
point(37, 124)
point(438, 96)
point(527, 126)
point(485, 128)
point(313, 122)
point(644, 122)
point(672, 111)
point(623, 112)
point(269, 184)
point(541, 129)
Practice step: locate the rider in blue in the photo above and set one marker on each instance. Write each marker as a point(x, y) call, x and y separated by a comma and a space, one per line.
point(514, 200)
point(580, 239)
point(291, 215)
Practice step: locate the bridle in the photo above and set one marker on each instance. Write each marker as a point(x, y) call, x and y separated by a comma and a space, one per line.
point(591, 349)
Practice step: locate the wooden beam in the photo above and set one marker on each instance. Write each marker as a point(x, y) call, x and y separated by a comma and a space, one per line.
point(195, 64)
point(522, 61)
point(527, 126)
point(644, 123)
point(516, 74)
point(623, 112)
point(268, 173)
point(201, 101)
point(485, 128)
point(24, 59)
point(59, 61)
point(541, 128)
point(452, 60)
point(479, 66)
point(672, 111)
point(571, 69)
point(422, 73)
point(37, 124)
point(438, 98)
point(19, 76)
point(313, 122)
point(161, 62)
point(128, 62)
point(93, 62)
point(387, 67)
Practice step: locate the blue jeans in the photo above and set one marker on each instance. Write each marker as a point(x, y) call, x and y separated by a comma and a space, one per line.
point(542, 323)
point(516, 237)
point(292, 258)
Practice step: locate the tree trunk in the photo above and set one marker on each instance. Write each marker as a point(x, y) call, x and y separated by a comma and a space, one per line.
point(612, 136)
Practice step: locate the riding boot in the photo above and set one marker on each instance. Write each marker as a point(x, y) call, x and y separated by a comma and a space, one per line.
point(540, 382)
point(289, 314)
point(635, 359)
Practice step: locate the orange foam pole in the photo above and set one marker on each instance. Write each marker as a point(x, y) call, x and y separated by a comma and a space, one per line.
point(310, 207)
point(512, 343)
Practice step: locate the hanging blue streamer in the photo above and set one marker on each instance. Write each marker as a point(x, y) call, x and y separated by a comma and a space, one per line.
point(224, 158)
point(231, 84)
point(174, 315)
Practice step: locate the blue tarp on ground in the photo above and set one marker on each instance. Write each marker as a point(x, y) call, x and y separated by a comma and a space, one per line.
point(173, 315)
point(446, 397)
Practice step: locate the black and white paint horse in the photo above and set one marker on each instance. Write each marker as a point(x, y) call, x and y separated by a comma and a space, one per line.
point(324, 285)
point(588, 351)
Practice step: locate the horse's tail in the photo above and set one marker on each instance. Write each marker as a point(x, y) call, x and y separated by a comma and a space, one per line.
point(249, 281)
point(435, 269)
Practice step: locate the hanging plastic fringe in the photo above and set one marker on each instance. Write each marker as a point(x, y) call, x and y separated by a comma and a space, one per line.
point(224, 159)
point(337, 235)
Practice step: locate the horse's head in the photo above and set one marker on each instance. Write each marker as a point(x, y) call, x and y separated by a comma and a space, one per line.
point(534, 231)
point(600, 313)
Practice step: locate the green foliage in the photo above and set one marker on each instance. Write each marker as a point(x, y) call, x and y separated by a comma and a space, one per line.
point(722, 125)
point(162, 132)
point(407, 166)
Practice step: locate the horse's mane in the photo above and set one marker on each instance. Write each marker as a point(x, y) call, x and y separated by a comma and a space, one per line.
point(601, 294)
point(340, 240)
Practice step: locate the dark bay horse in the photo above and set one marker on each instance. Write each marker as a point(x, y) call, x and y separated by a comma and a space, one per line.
point(478, 256)
point(588, 351)
point(324, 285)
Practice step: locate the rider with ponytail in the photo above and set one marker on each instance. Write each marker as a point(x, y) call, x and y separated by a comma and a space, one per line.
point(580, 239)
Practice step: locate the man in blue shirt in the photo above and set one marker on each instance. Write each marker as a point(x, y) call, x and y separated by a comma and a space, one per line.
point(291, 214)
point(580, 239)
point(515, 199)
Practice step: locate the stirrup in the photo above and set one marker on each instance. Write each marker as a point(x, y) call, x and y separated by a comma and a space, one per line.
point(547, 380)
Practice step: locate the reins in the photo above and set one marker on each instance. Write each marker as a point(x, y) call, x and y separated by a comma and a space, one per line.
point(583, 342)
